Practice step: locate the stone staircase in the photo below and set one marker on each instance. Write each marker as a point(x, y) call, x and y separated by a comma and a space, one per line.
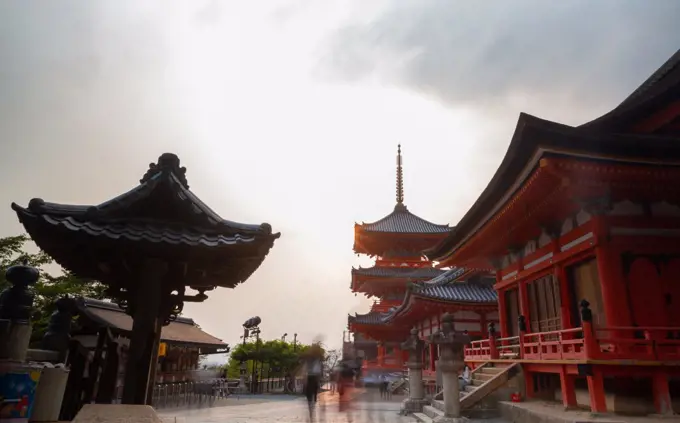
point(398, 385)
point(484, 380)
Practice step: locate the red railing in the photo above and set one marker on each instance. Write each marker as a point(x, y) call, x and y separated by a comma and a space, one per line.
point(583, 343)
point(637, 343)
point(565, 344)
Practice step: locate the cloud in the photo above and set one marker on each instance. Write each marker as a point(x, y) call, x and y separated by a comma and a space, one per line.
point(580, 56)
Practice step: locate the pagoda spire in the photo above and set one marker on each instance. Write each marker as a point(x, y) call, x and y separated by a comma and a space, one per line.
point(400, 178)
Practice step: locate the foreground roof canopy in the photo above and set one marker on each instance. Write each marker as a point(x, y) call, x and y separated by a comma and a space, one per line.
point(159, 218)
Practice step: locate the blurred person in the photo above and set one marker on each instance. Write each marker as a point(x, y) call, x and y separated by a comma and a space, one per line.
point(347, 374)
point(313, 368)
point(464, 378)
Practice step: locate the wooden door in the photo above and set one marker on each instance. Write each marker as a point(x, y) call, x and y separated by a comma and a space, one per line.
point(511, 311)
point(545, 304)
point(584, 281)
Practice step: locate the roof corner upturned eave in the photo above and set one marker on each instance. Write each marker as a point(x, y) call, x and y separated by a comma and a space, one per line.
point(520, 150)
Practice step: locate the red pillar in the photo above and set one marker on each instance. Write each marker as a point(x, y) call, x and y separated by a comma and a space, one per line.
point(598, 403)
point(524, 304)
point(398, 356)
point(529, 385)
point(662, 396)
point(483, 323)
point(502, 315)
point(568, 389)
point(610, 269)
point(381, 355)
point(432, 356)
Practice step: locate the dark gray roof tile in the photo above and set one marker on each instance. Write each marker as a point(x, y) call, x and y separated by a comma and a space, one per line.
point(403, 221)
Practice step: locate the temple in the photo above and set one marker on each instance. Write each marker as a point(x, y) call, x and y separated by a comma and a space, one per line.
point(409, 291)
point(581, 225)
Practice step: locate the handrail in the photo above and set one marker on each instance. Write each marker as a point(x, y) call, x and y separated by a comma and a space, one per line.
point(582, 343)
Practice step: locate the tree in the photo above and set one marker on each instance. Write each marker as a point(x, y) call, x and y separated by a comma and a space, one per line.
point(275, 358)
point(48, 288)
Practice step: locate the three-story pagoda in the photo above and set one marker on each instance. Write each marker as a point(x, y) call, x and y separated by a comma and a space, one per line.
point(397, 242)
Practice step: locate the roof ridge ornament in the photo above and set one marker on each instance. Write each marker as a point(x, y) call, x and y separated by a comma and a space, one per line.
point(400, 178)
point(167, 163)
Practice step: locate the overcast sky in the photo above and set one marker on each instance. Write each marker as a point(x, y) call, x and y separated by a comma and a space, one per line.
point(289, 112)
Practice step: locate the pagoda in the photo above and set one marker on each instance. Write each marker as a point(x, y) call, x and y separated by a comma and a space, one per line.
point(397, 242)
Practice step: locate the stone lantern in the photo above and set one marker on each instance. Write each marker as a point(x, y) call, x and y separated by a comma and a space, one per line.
point(416, 397)
point(451, 344)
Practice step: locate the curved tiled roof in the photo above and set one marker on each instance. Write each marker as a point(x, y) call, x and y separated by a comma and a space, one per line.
point(370, 318)
point(398, 272)
point(143, 231)
point(446, 276)
point(459, 292)
point(441, 288)
point(182, 330)
point(403, 221)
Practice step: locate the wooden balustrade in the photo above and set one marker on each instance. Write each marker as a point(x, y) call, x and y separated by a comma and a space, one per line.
point(583, 343)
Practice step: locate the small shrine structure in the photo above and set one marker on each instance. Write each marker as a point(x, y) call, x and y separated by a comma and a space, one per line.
point(182, 340)
point(581, 225)
point(156, 247)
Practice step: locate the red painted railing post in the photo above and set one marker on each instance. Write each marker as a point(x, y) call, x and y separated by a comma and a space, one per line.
point(493, 350)
point(522, 325)
point(591, 345)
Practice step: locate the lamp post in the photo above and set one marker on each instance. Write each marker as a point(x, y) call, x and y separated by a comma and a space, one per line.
point(295, 342)
point(250, 329)
point(283, 338)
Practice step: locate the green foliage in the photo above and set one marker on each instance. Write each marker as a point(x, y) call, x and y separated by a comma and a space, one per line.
point(48, 288)
point(276, 357)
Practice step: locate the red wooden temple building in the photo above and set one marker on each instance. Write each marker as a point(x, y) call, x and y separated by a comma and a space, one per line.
point(409, 290)
point(581, 226)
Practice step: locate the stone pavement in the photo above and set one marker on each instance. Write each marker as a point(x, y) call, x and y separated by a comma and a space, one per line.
point(290, 410)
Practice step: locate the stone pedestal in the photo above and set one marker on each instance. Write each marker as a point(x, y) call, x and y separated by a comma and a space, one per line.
point(416, 395)
point(451, 345)
point(15, 346)
point(16, 304)
point(242, 377)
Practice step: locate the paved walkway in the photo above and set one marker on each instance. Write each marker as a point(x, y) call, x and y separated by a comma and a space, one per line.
point(289, 410)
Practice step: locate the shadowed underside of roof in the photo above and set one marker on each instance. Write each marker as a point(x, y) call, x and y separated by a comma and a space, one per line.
point(398, 272)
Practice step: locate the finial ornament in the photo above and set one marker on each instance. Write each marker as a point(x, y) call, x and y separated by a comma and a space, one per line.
point(400, 178)
point(167, 163)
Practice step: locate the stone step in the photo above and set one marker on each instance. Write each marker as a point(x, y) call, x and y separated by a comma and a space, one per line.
point(438, 404)
point(493, 370)
point(483, 376)
point(432, 412)
point(477, 382)
point(470, 388)
point(422, 418)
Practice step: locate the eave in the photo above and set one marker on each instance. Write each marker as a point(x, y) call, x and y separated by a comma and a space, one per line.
point(535, 139)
